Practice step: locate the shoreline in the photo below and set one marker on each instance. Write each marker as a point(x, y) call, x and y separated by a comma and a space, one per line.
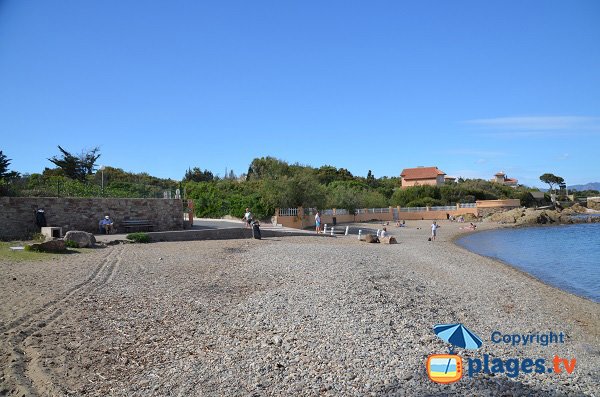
point(515, 267)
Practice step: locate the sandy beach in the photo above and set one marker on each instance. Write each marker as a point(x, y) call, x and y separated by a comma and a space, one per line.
point(281, 316)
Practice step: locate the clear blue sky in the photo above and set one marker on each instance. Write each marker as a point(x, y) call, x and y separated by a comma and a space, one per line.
point(473, 87)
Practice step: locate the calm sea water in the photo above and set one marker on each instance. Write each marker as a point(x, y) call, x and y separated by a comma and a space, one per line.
point(567, 257)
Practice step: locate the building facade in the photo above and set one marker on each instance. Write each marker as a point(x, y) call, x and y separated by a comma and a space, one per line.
point(420, 176)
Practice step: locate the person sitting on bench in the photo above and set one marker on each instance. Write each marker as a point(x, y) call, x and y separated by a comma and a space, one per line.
point(106, 225)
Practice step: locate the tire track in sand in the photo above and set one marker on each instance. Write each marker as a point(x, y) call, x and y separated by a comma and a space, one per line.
point(24, 372)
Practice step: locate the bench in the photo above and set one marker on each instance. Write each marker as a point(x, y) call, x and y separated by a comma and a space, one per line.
point(137, 224)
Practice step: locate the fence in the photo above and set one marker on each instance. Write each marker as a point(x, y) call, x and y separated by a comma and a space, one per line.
point(413, 209)
point(443, 208)
point(359, 211)
point(290, 216)
point(288, 212)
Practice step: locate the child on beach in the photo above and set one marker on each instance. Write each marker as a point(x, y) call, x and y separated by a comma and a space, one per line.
point(318, 222)
point(247, 217)
point(434, 228)
point(471, 226)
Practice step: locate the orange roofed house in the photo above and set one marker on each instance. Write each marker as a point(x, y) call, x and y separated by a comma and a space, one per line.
point(422, 176)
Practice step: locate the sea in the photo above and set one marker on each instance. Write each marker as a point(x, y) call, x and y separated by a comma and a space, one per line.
point(566, 256)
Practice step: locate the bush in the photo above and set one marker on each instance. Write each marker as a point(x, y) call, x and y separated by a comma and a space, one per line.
point(71, 244)
point(38, 237)
point(139, 237)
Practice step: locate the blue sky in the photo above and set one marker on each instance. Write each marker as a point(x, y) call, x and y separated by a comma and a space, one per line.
point(472, 87)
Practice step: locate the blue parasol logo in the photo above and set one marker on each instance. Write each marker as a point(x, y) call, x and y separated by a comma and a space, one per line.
point(458, 335)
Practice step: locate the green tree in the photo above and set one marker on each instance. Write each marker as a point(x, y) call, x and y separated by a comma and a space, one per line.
point(5, 174)
point(551, 180)
point(371, 181)
point(76, 167)
point(197, 175)
point(302, 189)
point(267, 168)
point(327, 174)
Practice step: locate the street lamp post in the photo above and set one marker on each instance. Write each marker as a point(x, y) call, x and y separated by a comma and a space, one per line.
point(102, 170)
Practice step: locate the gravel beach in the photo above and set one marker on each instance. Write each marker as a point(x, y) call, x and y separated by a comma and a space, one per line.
point(281, 316)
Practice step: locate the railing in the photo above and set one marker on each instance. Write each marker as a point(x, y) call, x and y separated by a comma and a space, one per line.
point(443, 208)
point(413, 209)
point(385, 210)
point(288, 212)
point(378, 210)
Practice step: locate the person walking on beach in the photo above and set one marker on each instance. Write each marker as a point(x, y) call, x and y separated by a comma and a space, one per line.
point(318, 222)
point(247, 217)
point(434, 228)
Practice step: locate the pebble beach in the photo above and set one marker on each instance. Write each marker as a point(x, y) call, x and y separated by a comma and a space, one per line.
point(297, 316)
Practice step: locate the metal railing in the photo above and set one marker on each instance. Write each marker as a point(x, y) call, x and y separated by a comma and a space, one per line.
point(378, 210)
point(413, 209)
point(468, 205)
point(443, 208)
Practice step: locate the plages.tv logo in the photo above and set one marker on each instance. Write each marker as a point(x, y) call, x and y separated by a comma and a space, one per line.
point(448, 368)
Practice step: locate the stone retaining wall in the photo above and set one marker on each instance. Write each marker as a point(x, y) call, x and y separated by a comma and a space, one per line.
point(17, 214)
point(593, 203)
point(222, 234)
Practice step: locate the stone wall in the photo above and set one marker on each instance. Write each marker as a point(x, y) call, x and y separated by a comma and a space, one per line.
point(17, 214)
point(593, 203)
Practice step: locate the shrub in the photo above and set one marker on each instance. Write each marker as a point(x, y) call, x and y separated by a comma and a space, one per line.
point(38, 237)
point(139, 237)
point(71, 244)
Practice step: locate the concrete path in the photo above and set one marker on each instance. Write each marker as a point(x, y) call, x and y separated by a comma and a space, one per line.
point(207, 224)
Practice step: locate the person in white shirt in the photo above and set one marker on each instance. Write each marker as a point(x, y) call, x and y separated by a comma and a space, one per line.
point(434, 228)
point(247, 217)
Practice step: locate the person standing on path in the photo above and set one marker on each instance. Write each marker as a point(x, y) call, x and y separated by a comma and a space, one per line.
point(434, 228)
point(318, 222)
point(247, 217)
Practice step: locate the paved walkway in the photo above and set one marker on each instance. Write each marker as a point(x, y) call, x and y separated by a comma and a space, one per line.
point(206, 224)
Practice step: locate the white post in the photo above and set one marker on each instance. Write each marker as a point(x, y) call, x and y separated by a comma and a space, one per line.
point(332, 230)
point(359, 233)
point(378, 230)
point(325, 229)
point(347, 227)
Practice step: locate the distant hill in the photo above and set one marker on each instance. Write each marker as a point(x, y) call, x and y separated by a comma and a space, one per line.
point(587, 186)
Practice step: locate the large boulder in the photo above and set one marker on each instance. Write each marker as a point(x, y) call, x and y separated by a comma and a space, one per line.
point(388, 240)
point(369, 238)
point(49, 246)
point(83, 239)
